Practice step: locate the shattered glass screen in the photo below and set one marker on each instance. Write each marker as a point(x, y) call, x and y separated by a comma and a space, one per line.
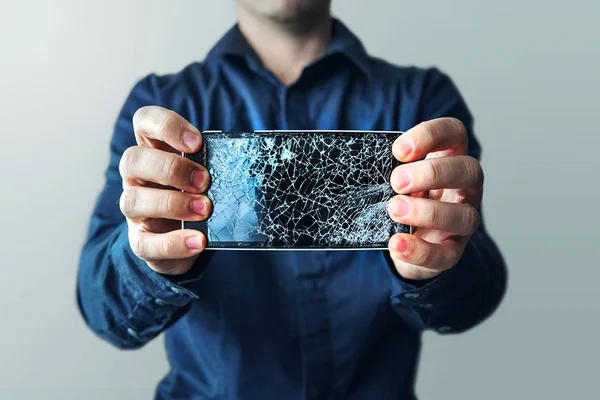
point(298, 189)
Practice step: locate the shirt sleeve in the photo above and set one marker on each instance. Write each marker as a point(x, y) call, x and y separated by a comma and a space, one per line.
point(120, 298)
point(464, 296)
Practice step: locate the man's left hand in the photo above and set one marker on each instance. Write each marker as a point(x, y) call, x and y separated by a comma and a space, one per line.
point(438, 195)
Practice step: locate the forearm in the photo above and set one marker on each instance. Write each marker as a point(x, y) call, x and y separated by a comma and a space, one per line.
point(461, 297)
point(121, 299)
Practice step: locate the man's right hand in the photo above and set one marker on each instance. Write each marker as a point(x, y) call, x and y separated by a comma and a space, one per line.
point(154, 174)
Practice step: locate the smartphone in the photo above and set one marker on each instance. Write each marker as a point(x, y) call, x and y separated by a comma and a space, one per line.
point(287, 189)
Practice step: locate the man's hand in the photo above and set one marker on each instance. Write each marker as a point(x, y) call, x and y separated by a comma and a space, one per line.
point(438, 195)
point(154, 174)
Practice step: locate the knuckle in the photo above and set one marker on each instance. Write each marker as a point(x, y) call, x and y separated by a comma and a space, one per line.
point(432, 173)
point(471, 219)
point(157, 119)
point(427, 258)
point(128, 201)
point(163, 122)
point(168, 122)
point(167, 248)
point(456, 125)
point(474, 170)
point(429, 134)
point(453, 257)
point(430, 214)
point(170, 168)
point(455, 131)
point(170, 202)
point(139, 115)
point(137, 245)
point(123, 203)
point(419, 255)
point(460, 130)
point(128, 159)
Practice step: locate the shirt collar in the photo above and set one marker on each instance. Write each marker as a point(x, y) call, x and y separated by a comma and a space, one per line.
point(344, 42)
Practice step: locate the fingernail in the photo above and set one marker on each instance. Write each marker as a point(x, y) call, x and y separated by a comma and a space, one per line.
point(198, 178)
point(401, 179)
point(193, 242)
point(405, 148)
point(402, 246)
point(198, 206)
point(401, 208)
point(191, 139)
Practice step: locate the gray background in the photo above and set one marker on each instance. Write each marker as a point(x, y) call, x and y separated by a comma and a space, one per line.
point(528, 69)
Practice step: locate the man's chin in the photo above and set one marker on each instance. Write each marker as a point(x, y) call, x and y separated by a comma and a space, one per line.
point(299, 18)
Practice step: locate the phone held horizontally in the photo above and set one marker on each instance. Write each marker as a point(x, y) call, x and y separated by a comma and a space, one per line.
point(298, 190)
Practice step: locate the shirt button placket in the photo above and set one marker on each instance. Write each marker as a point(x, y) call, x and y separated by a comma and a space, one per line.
point(283, 107)
point(316, 346)
point(298, 117)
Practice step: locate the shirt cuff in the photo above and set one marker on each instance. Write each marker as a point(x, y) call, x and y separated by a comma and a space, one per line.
point(437, 292)
point(195, 273)
point(144, 284)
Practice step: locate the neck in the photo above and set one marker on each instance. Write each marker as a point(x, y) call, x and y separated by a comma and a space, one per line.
point(285, 48)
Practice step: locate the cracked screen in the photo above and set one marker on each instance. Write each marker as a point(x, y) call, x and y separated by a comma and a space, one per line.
point(298, 189)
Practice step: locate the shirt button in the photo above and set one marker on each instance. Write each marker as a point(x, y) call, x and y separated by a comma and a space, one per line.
point(411, 295)
point(160, 302)
point(444, 329)
point(176, 290)
point(131, 332)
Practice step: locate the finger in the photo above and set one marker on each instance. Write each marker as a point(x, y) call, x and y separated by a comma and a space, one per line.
point(163, 125)
point(182, 243)
point(142, 202)
point(447, 135)
point(410, 249)
point(459, 219)
point(159, 225)
point(167, 169)
point(414, 272)
point(454, 172)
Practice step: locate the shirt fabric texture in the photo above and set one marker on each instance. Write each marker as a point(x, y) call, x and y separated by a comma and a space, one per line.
point(284, 324)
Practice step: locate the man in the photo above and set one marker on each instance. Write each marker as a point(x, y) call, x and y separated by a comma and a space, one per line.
point(288, 325)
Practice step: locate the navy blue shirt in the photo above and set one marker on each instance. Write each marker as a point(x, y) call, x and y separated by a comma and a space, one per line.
point(284, 324)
